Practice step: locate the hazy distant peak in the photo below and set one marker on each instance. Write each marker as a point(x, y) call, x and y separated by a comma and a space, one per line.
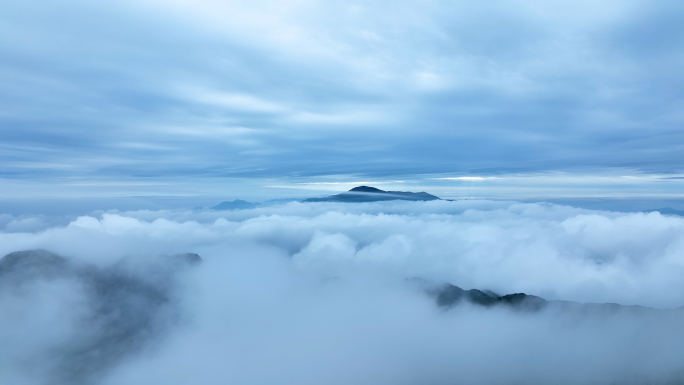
point(237, 204)
point(372, 194)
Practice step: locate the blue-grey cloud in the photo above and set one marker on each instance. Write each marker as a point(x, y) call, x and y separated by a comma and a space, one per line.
point(318, 293)
point(217, 89)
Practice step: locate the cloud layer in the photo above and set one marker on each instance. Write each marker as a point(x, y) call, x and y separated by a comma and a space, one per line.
point(163, 91)
point(558, 252)
point(318, 293)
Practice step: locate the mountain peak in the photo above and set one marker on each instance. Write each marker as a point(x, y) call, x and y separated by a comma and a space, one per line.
point(367, 189)
point(372, 194)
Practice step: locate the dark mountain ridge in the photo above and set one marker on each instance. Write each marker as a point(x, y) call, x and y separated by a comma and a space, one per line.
point(372, 194)
point(121, 314)
point(447, 296)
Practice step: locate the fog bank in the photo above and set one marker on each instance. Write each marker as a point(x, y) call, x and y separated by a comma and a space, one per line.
point(326, 293)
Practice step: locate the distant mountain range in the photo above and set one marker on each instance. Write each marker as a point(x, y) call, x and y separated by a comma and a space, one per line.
point(372, 194)
point(356, 195)
point(447, 296)
point(237, 204)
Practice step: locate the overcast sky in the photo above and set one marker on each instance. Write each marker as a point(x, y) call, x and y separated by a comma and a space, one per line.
point(221, 97)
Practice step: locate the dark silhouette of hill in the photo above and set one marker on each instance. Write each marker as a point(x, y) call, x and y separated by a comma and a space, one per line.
point(237, 204)
point(121, 315)
point(372, 194)
point(448, 295)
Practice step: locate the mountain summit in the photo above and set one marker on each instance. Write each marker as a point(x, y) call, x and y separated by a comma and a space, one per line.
point(372, 194)
point(368, 189)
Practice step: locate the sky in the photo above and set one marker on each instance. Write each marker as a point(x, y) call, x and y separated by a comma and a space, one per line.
point(274, 99)
point(556, 127)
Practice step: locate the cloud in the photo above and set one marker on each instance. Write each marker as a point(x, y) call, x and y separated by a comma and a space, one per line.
point(548, 250)
point(434, 89)
point(468, 178)
point(318, 293)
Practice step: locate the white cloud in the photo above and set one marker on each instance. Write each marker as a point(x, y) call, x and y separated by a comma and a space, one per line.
point(553, 251)
point(317, 293)
point(232, 101)
point(468, 178)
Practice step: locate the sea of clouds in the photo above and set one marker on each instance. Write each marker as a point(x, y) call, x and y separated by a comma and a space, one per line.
point(326, 293)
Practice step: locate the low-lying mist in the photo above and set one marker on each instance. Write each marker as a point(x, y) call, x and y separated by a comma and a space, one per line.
point(325, 293)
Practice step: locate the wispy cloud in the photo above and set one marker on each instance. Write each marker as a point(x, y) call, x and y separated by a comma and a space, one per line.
point(317, 89)
point(468, 178)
